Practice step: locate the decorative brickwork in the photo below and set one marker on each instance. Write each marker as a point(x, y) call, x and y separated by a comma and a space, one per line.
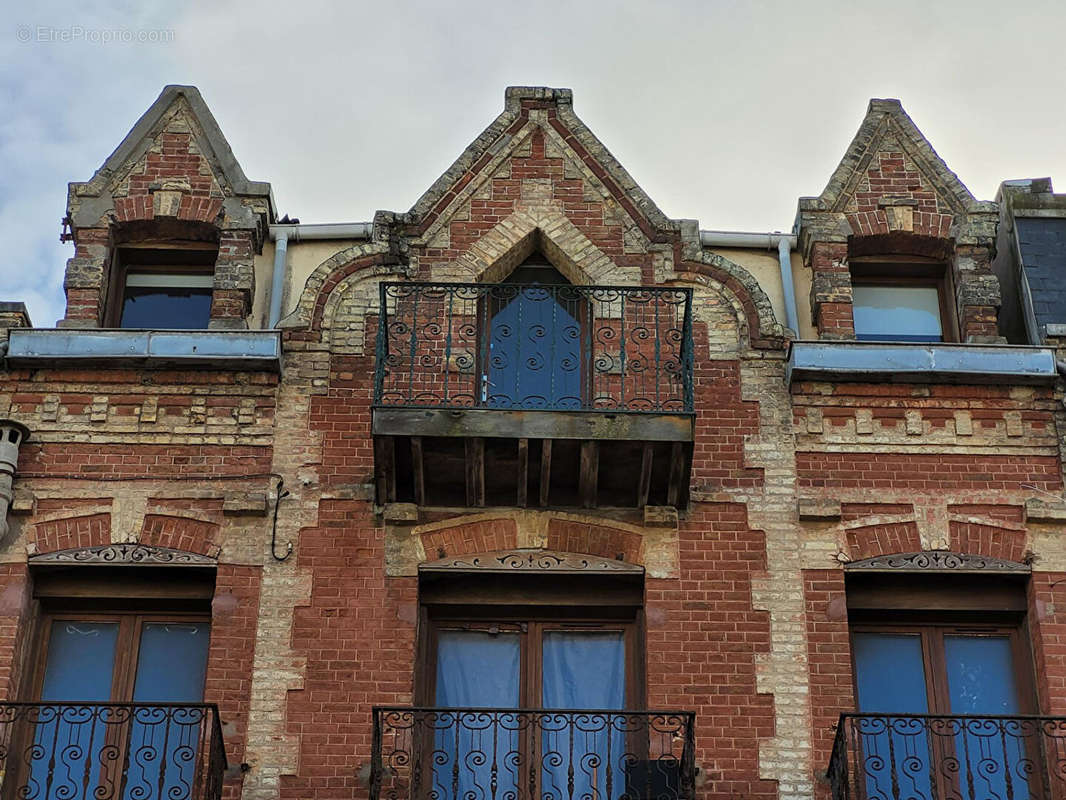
point(745, 612)
point(892, 195)
point(173, 177)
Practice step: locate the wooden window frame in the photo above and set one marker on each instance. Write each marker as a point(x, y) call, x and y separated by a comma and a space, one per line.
point(910, 271)
point(127, 645)
point(932, 634)
point(531, 628)
point(165, 259)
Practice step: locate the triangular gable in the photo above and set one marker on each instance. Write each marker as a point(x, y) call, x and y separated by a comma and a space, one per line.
point(890, 160)
point(177, 109)
point(569, 138)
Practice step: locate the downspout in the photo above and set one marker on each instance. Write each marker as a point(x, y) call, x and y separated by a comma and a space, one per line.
point(784, 257)
point(784, 242)
point(281, 235)
point(277, 281)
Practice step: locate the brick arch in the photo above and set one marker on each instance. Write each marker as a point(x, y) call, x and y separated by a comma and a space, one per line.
point(598, 540)
point(478, 536)
point(983, 539)
point(180, 533)
point(759, 326)
point(360, 262)
point(502, 248)
point(928, 239)
point(69, 533)
point(886, 538)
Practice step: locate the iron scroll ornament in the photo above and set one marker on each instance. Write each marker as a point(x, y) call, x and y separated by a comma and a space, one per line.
point(937, 561)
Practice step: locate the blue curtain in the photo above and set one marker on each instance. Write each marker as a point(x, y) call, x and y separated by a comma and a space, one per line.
point(981, 681)
point(583, 670)
point(171, 665)
point(890, 678)
point(81, 660)
point(476, 754)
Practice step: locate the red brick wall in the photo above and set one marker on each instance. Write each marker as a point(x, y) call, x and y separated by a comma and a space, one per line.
point(14, 617)
point(140, 460)
point(829, 659)
point(357, 636)
point(928, 472)
point(234, 612)
point(343, 418)
point(723, 425)
point(702, 639)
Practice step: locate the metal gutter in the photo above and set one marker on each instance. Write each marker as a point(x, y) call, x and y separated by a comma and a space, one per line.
point(909, 362)
point(784, 242)
point(208, 349)
point(283, 234)
point(329, 230)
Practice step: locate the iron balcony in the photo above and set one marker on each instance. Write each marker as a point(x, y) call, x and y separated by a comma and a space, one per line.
point(504, 754)
point(111, 751)
point(929, 756)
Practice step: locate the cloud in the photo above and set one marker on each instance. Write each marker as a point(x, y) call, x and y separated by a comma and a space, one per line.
point(725, 112)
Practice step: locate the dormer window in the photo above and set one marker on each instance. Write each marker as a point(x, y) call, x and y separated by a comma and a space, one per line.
point(163, 288)
point(900, 302)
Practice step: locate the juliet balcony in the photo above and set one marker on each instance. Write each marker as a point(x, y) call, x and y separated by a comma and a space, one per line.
point(502, 754)
point(928, 756)
point(110, 751)
point(533, 395)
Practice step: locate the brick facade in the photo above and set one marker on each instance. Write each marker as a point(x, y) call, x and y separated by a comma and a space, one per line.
point(744, 599)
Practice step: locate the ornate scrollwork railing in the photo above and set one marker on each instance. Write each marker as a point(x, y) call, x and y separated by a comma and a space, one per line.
point(498, 754)
point(930, 757)
point(111, 751)
point(511, 346)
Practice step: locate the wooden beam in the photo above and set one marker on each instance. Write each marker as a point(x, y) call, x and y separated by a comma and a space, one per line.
point(589, 473)
point(416, 469)
point(545, 470)
point(644, 483)
point(510, 424)
point(523, 471)
point(475, 471)
point(385, 468)
point(677, 470)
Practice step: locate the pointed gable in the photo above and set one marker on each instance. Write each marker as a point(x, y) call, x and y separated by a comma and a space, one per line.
point(893, 196)
point(174, 162)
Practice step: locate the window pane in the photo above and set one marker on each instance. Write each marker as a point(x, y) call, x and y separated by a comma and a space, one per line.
point(172, 662)
point(476, 669)
point(71, 743)
point(981, 675)
point(587, 670)
point(81, 659)
point(158, 308)
point(890, 677)
point(890, 674)
point(897, 313)
point(164, 742)
point(480, 670)
point(992, 755)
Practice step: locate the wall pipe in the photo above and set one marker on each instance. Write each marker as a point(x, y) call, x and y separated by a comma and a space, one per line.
point(784, 243)
point(281, 234)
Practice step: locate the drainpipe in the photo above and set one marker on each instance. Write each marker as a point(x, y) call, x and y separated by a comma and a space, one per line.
point(281, 234)
point(12, 434)
point(277, 280)
point(784, 243)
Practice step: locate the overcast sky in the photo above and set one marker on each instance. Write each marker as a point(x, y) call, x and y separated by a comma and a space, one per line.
point(725, 112)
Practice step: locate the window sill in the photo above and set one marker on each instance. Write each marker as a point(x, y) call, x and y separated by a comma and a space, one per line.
point(919, 362)
point(202, 349)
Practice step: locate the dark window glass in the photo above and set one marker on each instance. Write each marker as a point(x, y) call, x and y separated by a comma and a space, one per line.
point(160, 308)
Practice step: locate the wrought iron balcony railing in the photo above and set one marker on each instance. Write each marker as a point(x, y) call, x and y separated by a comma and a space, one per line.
point(498, 754)
point(552, 347)
point(929, 757)
point(110, 751)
